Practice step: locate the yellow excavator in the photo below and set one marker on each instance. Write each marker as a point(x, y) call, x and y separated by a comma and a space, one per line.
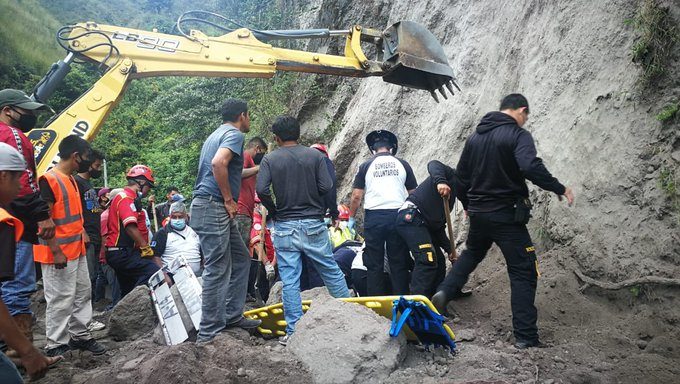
point(406, 54)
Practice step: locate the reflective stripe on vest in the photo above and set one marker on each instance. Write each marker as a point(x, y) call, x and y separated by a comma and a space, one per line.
point(12, 221)
point(67, 216)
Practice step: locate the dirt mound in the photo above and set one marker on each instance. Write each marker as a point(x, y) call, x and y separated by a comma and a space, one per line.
point(346, 343)
point(133, 317)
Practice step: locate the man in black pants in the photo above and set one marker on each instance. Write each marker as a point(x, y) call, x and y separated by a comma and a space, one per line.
point(387, 181)
point(496, 160)
point(422, 224)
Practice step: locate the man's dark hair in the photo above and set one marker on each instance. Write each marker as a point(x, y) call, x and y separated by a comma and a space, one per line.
point(514, 101)
point(72, 144)
point(97, 155)
point(257, 141)
point(171, 188)
point(232, 108)
point(286, 128)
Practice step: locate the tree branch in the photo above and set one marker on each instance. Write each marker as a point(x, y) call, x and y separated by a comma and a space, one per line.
point(626, 283)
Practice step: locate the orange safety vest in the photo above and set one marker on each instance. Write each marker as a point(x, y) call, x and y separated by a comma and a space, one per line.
point(67, 214)
point(12, 221)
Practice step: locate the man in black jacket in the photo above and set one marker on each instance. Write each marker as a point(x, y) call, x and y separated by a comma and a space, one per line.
point(496, 160)
point(422, 224)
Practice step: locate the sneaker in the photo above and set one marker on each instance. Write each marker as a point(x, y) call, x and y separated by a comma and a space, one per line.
point(95, 326)
point(90, 345)
point(245, 323)
point(283, 340)
point(524, 344)
point(57, 351)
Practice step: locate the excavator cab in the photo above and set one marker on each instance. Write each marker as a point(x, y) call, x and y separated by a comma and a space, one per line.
point(412, 57)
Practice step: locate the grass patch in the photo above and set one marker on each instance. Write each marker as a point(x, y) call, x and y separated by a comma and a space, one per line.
point(669, 112)
point(668, 182)
point(658, 35)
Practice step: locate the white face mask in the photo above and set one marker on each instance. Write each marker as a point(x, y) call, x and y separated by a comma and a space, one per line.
point(342, 224)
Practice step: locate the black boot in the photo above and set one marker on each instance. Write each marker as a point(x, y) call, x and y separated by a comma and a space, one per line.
point(439, 300)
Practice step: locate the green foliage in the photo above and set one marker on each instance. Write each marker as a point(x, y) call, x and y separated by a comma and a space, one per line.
point(669, 112)
point(635, 291)
point(668, 182)
point(658, 34)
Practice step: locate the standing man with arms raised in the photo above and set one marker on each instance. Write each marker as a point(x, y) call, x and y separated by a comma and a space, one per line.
point(386, 181)
point(227, 263)
point(496, 161)
point(299, 177)
point(18, 114)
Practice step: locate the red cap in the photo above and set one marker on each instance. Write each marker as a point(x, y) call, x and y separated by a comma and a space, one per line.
point(321, 148)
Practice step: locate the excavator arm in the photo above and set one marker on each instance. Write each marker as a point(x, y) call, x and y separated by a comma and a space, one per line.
point(407, 54)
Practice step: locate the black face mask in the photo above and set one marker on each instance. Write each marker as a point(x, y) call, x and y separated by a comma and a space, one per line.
point(95, 173)
point(84, 165)
point(258, 158)
point(26, 122)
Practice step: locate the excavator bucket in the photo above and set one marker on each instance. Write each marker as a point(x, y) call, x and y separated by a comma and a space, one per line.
point(414, 58)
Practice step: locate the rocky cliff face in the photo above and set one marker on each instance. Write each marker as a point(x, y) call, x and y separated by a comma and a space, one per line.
point(592, 119)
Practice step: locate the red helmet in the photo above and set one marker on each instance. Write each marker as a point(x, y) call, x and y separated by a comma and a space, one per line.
point(343, 212)
point(321, 148)
point(140, 171)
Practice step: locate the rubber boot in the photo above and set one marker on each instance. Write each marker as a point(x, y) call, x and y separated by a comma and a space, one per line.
point(24, 322)
point(439, 300)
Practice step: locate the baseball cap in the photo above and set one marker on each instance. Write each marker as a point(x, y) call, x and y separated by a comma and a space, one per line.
point(11, 159)
point(17, 98)
point(103, 192)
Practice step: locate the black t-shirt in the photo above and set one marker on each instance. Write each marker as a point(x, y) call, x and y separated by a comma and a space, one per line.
point(8, 249)
point(91, 210)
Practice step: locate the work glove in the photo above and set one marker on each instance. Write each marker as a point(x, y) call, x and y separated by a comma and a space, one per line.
point(350, 223)
point(271, 273)
point(146, 251)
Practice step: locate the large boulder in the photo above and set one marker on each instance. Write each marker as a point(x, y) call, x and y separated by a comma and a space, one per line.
point(275, 293)
point(134, 315)
point(345, 343)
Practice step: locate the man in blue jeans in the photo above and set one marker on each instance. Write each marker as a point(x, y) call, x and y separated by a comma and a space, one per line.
point(227, 261)
point(300, 178)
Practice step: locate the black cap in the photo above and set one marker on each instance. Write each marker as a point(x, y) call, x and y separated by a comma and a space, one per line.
point(17, 98)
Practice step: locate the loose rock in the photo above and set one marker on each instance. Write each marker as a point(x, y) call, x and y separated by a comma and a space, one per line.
point(133, 317)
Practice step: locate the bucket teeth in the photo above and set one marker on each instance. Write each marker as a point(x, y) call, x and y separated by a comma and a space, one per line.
point(434, 95)
point(450, 88)
point(455, 85)
point(443, 92)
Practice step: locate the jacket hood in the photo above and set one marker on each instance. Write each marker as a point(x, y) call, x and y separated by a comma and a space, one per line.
point(494, 119)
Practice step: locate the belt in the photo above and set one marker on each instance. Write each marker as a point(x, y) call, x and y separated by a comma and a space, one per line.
point(210, 198)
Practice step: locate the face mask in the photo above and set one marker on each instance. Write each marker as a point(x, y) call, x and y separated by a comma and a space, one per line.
point(178, 224)
point(258, 158)
point(26, 122)
point(327, 220)
point(84, 165)
point(342, 224)
point(104, 203)
point(95, 173)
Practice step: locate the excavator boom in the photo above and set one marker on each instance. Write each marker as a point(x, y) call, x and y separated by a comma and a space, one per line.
point(406, 54)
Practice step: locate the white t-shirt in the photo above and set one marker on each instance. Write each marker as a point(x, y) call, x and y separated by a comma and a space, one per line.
point(182, 243)
point(386, 181)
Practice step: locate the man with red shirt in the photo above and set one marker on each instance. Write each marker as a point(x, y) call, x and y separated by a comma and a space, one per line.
point(127, 242)
point(252, 155)
point(18, 115)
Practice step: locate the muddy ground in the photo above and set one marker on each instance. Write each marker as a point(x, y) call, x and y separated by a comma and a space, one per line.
point(594, 336)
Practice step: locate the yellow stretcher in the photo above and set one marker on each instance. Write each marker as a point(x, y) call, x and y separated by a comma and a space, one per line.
point(274, 324)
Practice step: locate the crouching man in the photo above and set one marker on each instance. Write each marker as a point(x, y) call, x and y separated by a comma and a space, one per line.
point(300, 177)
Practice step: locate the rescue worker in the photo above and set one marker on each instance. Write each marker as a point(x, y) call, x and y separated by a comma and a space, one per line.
point(386, 181)
point(127, 242)
point(105, 197)
point(496, 161)
point(92, 217)
point(63, 261)
point(18, 114)
point(340, 232)
point(331, 198)
point(421, 222)
point(178, 239)
point(300, 177)
point(12, 168)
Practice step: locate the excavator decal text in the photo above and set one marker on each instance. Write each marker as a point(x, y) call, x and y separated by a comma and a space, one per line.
point(148, 42)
